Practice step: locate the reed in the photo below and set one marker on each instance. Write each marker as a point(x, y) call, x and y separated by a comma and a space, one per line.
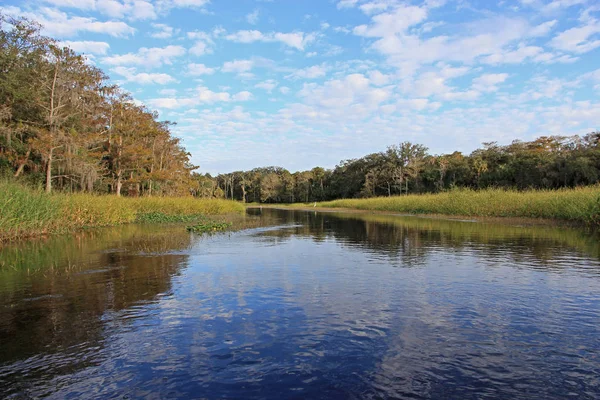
point(26, 212)
point(577, 205)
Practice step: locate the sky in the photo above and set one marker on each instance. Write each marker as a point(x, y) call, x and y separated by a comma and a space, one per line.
point(305, 83)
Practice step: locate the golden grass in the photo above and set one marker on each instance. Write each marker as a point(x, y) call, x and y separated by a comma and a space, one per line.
point(25, 212)
point(578, 205)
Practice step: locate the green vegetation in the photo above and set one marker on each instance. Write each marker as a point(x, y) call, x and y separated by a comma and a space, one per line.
point(209, 226)
point(580, 205)
point(26, 212)
point(162, 218)
point(547, 163)
point(65, 126)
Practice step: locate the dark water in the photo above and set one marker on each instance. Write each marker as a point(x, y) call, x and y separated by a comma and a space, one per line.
point(308, 306)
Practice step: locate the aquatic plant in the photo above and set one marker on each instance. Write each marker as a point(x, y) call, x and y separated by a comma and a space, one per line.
point(209, 226)
point(26, 212)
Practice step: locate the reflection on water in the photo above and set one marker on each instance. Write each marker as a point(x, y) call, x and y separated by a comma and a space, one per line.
point(306, 305)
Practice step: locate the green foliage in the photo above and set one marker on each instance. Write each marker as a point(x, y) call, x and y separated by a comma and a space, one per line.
point(64, 125)
point(23, 210)
point(209, 226)
point(162, 218)
point(26, 212)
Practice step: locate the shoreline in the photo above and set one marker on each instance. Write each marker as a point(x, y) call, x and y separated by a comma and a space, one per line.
point(448, 217)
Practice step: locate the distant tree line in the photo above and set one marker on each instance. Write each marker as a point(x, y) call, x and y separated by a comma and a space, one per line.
point(63, 125)
point(549, 162)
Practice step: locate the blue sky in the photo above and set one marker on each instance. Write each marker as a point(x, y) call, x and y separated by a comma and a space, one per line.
point(301, 83)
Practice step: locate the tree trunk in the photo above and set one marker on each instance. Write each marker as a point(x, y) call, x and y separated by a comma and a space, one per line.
point(243, 186)
point(119, 183)
point(49, 172)
point(22, 163)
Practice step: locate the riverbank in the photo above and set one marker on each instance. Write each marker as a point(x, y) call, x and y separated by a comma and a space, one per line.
point(26, 213)
point(580, 205)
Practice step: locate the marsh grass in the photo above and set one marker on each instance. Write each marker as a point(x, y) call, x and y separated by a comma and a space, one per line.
point(580, 205)
point(26, 212)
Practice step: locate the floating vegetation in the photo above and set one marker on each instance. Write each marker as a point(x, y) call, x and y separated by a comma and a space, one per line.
point(162, 218)
point(210, 226)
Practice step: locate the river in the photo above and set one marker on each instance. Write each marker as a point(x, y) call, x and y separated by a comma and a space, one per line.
point(304, 305)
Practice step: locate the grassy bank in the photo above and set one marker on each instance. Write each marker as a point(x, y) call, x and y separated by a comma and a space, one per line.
point(26, 213)
point(580, 205)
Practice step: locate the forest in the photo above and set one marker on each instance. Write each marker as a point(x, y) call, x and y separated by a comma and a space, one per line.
point(549, 162)
point(64, 126)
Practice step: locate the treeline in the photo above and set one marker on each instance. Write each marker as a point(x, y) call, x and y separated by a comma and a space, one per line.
point(64, 125)
point(549, 162)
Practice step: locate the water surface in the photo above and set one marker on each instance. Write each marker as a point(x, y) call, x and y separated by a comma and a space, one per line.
point(307, 305)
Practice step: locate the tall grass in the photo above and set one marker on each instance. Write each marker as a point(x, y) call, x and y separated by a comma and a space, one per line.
point(578, 205)
point(26, 212)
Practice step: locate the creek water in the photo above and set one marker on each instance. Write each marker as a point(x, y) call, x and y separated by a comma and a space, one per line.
point(303, 305)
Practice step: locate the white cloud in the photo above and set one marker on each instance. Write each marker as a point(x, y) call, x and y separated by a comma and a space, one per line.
point(88, 47)
point(297, 40)
point(557, 5)
point(513, 56)
point(488, 82)
point(408, 51)
point(134, 10)
point(341, 29)
point(203, 45)
point(130, 9)
point(316, 71)
point(199, 69)
point(434, 83)
point(267, 85)
point(246, 36)
point(163, 31)
point(352, 93)
point(165, 5)
point(58, 24)
point(377, 78)
point(543, 29)
point(242, 96)
point(200, 48)
point(150, 57)
point(284, 90)
point(397, 21)
point(346, 3)
point(79, 4)
point(578, 40)
point(238, 66)
point(200, 95)
point(252, 18)
point(143, 78)
point(375, 7)
point(168, 92)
